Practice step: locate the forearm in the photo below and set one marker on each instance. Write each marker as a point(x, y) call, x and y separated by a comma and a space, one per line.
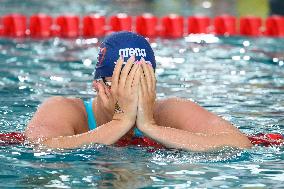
point(175, 138)
point(107, 134)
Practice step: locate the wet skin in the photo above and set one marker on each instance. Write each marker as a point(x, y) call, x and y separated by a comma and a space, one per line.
point(175, 123)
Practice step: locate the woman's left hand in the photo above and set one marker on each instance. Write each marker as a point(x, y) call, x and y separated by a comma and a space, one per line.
point(147, 97)
point(105, 98)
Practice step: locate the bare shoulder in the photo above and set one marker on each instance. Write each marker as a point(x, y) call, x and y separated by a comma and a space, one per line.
point(187, 115)
point(62, 106)
point(57, 116)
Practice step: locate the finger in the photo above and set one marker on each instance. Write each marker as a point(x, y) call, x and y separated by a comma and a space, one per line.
point(102, 94)
point(95, 85)
point(153, 77)
point(136, 80)
point(143, 85)
point(147, 75)
point(107, 91)
point(131, 76)
point(116, 73)
point(125, 71)
point(140, 95)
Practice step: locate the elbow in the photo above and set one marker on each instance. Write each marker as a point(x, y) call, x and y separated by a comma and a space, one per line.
point(32, 136)
point(244, 143)
point(239, 141)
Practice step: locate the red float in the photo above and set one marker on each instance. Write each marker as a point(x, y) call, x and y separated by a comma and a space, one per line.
point(121, 22)
point(14, 25)
point(198, 24)
point(274, 136)
point(146, 25)
point(12, 138)
point(1, 31)
point(172, 26)
point(94, 25)
point(68, 26)
point(268, 139)
point(40, 26)
point(225, 25)
point(275, 26)
point(250, 26)
point(139, 141)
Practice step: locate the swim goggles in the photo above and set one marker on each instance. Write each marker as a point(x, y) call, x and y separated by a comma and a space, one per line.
point(107, 83)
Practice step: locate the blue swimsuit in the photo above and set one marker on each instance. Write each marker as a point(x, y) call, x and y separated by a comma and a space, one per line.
point(92, 121)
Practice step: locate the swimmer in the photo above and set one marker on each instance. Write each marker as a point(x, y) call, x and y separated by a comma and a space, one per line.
point(126, 106)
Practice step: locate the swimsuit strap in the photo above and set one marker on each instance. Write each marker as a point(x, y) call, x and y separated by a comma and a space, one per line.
point(90, 113)
point(138, 133)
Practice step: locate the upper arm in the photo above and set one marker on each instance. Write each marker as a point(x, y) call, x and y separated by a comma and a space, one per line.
point(186, 115)
point(55, 117)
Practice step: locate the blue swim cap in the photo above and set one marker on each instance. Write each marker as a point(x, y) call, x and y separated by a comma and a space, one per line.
point(125, 44)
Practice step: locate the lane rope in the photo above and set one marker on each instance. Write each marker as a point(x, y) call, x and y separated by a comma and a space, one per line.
point(170, 26)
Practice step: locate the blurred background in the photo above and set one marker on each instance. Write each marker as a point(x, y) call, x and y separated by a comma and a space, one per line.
point(238, 8)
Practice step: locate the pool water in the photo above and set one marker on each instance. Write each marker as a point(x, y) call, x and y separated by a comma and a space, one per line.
point(240, 79)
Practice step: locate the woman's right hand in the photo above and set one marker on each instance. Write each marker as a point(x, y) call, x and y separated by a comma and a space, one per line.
point(125, 85)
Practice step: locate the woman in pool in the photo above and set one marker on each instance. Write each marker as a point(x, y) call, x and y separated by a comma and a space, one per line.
point(126, 106)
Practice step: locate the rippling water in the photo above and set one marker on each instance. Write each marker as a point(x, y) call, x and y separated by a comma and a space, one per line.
point(240, 79)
